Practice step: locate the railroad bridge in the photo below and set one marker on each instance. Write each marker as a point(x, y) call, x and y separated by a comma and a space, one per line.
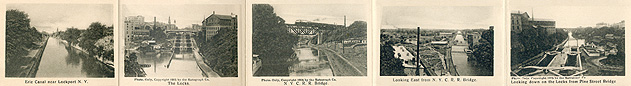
point(308, 30)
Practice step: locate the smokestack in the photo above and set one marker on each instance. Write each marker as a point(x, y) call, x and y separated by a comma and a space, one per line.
point(213, 12)
point(344, 20)
point(532, 12)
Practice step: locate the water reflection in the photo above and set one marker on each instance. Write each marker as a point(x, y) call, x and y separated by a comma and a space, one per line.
point(58, 60)
point(309, 64)
point(72, 60)
point(166, 64)
point(464, 66)
point(306, 63)
point(573, 41)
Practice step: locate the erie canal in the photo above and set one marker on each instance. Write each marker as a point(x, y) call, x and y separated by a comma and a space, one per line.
point(464, 66)
point(61, 60)
point(310, 64)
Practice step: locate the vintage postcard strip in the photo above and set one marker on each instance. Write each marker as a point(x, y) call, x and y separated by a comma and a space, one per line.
point(576, 43)
point(182, 43)
point(439, 42)
point(59, 43)
point(309, 42)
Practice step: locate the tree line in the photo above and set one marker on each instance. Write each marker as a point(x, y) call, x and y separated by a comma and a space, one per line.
point(220, 52)
point(483, 51)
point(21, 37)
point(271, 40)
point(355, 30)
point(97, 39)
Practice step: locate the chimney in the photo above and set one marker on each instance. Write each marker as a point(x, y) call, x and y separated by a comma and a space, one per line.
point(213, 12)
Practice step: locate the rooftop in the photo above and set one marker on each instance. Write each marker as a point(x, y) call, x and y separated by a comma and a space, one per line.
point(540, 19)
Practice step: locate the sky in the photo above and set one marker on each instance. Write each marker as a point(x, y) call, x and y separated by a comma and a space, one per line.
point(575, 16)
point(439, 17)
point(183, 15)
point(49, 17)
point(323, 13)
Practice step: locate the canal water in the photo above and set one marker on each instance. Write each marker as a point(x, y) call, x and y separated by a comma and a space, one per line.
point(61, 61)
point(310, 64)
point(573, 41)
point(464, 66)
point(166, 65)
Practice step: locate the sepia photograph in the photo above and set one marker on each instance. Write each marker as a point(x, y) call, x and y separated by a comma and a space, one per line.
point(437, 40)
point(309, 40)
point(567, 40)
point(59, 41)
point(183, 40)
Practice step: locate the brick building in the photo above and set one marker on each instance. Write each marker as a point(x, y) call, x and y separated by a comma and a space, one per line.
point(215, 22)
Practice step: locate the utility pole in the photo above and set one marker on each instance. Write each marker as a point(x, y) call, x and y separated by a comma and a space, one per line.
point(418, 54)
point(154, 61)
point(346, 33)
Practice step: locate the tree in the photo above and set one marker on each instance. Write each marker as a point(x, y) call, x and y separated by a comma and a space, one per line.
point(132, 68)
point(105, 48)
point(71, 35)
point(357, 29)
point(533, 41)
point(93, 33)
point(483, 52)
point(221, 55)
point(390, 66)
point(270, 38)
point(20, 37)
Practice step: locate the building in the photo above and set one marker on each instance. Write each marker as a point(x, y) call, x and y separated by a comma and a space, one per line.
point(472, 38)
point(520, 20)
point(618, 25)
point(133, 23)
point(545, 23)
point(609, 36)
point(517, 19)
point(443, 34)
point(137, 30)
point(215, 22)
point(614, 25)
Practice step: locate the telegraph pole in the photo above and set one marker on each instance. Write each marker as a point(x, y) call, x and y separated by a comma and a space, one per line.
point(345, 30)
point(418, 54)
point(154, 61)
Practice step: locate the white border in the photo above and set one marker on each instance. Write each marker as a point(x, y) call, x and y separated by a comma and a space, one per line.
point(91, 81)
point(341, 80)
point(494, 80)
